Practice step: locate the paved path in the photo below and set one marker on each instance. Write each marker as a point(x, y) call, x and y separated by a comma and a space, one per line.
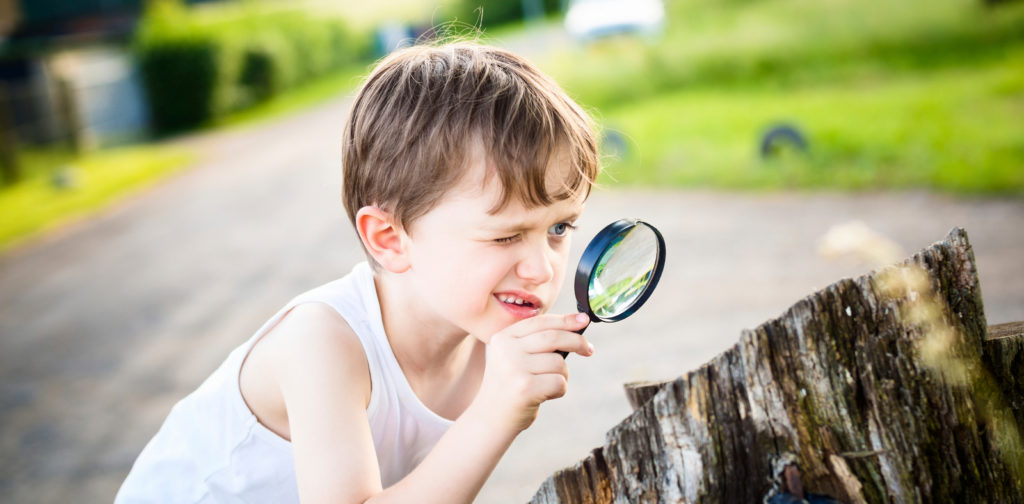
point(104, 325)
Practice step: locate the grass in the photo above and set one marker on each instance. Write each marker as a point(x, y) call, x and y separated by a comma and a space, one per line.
point(953, 128)
point(738, 43)
point(912, 94)
point(36, 205)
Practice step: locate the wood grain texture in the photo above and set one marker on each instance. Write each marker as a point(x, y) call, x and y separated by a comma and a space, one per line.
point(1007, 330)
point(875, 401)
point(638, 393)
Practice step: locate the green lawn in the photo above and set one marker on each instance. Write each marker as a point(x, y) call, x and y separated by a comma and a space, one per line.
point(911, 94)
point(957, 129)
point(739, 43)
point(36, 204)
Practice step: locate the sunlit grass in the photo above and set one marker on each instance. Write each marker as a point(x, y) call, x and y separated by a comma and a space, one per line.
point(37, 204)
point(953, 128)
point(913, 94)
point(788, 41)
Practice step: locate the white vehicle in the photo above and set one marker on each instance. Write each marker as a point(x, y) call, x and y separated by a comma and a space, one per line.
point(590, 19)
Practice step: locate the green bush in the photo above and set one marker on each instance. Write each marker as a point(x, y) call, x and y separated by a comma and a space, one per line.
point(496, 12)
point(200, 64)
point(179, 80)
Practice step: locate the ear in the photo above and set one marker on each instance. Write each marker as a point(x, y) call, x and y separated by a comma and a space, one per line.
point(384, 239)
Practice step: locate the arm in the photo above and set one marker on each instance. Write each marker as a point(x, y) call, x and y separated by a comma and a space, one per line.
point(522, 372)
point(334, 454)
point(324, 380)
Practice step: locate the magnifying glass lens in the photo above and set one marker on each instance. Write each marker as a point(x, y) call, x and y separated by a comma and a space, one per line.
point(624, 271)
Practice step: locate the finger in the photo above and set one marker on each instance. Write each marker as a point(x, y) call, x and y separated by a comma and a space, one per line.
point(547, 363)
point(567, 322)
point(550, 386)
point(551, 340)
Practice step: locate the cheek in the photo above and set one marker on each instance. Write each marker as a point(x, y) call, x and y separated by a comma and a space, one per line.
point(560, 265)
point(474, 275)
point(561, 261)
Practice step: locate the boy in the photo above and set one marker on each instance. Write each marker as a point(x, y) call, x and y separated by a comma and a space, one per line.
point(406, 380)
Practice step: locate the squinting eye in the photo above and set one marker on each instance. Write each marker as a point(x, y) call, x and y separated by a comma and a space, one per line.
point(561, 229)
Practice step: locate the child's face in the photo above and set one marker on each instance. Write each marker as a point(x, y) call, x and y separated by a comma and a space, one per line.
point(478, 272)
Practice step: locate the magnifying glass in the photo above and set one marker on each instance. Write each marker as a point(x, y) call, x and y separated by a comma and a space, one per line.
point(619, 270)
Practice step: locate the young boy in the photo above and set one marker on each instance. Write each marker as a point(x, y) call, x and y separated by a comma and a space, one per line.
point(406, 380)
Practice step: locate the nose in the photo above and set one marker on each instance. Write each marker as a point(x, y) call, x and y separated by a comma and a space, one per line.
point(536, 264)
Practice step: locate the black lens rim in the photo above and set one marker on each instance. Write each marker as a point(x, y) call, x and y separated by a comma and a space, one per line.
point(592, 255)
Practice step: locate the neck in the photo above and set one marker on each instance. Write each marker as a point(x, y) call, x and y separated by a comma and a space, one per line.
point(422, 344)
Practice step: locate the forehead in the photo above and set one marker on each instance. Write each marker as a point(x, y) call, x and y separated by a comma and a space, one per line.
point(480, 181)
point(474, 200)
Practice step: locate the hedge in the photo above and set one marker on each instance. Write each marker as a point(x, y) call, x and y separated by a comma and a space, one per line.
point(496, 12)
point(199, 64)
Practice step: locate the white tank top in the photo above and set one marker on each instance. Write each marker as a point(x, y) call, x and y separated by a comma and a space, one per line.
point(211, 448)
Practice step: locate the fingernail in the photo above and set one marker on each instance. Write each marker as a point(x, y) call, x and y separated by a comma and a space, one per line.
point(590, 346)
point(582, 317)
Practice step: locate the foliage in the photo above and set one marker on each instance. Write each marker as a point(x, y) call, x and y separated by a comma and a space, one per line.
point(305, 95)
point(492, 13)
point(199, 64)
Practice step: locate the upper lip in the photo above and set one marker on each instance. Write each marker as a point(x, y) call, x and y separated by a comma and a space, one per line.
point(525, 296)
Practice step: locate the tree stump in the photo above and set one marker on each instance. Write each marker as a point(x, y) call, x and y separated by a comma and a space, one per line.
point(882, 388)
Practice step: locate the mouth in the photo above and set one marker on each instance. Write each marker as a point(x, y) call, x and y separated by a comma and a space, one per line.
point(519, 304)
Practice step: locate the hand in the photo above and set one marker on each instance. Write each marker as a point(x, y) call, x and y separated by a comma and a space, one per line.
point(523, 369)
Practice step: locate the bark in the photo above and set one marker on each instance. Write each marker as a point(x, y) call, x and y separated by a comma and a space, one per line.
point(881, 394)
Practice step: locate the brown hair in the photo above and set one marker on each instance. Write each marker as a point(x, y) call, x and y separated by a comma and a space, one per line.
point(411, 128)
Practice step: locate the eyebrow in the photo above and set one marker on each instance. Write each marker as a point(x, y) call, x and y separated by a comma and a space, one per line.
point(520, 227)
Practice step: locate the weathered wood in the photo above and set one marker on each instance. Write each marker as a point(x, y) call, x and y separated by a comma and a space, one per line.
point(638, 393)
point(1003, 357)
point(883, 390)
point(1007, 330)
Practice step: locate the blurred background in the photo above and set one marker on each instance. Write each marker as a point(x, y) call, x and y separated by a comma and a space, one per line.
point(169, 178)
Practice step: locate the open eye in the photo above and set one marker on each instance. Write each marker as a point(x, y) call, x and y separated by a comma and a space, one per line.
point(560, 229)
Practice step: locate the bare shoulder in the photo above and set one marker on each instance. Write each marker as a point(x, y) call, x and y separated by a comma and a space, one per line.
point(312, 344)
point(312, 335)
point(312, 324)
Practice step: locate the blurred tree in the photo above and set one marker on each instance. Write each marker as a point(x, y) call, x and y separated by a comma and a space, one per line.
point(10, 171)
point(492, 13)
point(201, 64)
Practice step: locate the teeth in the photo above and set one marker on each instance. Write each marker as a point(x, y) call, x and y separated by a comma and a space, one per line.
point(511, 299)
